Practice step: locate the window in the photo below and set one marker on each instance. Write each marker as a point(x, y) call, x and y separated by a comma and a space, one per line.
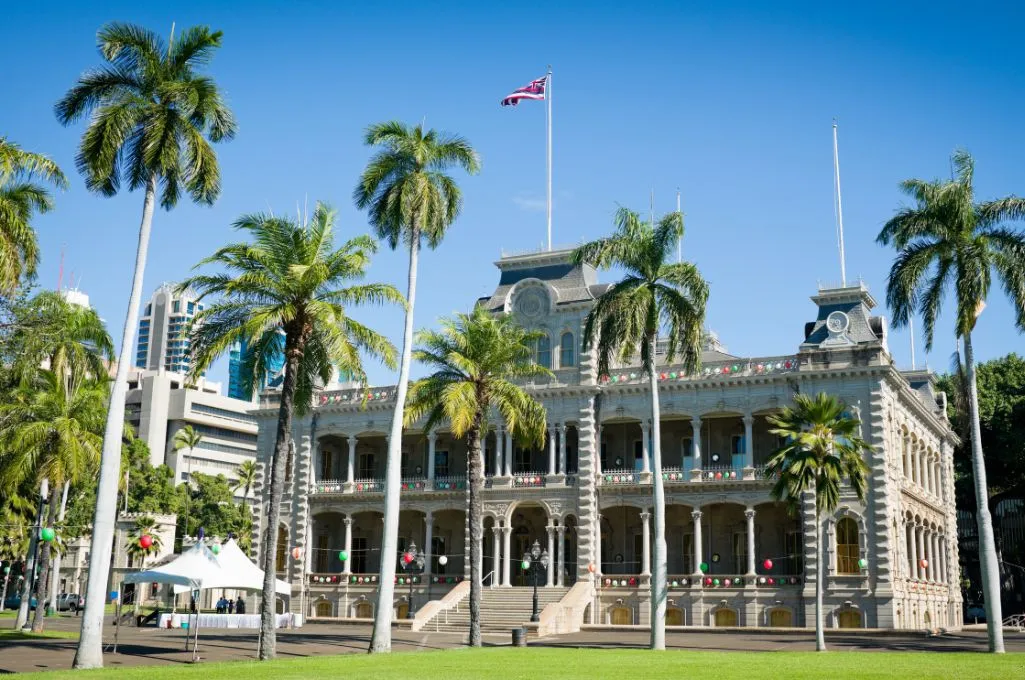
point(847, 546)
point(440, 463)
point(366, 464)
point(795, 552)
point(638, 455)
point(327, 468)
point(281, 556)
point(737, 444)
point(149, 310)
point(688, 447)
point(739, 553)
point(190, 307)
point(176, 306)
point(543, 355)
point(521, 459)
point(566, 359)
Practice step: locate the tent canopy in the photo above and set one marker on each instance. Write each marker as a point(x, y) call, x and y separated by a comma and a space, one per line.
point(190, 571)
point(238, 571)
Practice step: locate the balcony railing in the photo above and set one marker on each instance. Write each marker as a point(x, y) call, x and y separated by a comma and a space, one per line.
point(413, 484)
point(367, 485)
point(719, 581)
point(734, 367)
point(523, 480)
point(450, 483)
point(618, 477)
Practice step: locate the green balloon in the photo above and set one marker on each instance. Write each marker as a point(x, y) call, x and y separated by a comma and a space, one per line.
point(343, 556)
point(7, 570)
point(524, 565)
point(46, 534)
point(862, 563)
point(215, 549)
point(715, 582)
point(703, 567)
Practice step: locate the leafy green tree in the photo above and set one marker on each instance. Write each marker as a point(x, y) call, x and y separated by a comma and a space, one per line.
point(477, 359)
point(213, 506)
point(21, 197)
point(291, 278)
point(153, 118)
point(948, 241)
point(822, 450)
point(411, 201)
point(655, 295)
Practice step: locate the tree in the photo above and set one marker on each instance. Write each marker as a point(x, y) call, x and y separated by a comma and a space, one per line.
point(144, 526)
point(655, 295)
point(153, 118)
point(292, 279)
point(822, 450)
point(410, 200)
point(477, 359)
point(51, 432)
point(21, 196)
point(246, 474)
point(947, 240)
point(187, 438)
point(212, 505)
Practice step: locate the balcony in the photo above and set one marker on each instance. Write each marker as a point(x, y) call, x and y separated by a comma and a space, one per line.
point(409, 485)
point(676, 475)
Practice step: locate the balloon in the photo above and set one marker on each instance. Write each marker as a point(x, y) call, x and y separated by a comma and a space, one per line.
point(215, 548)
point(7, 570)
point(46, 534)
point(703, 567)
point(145, 541)
point(715, 582)
point(862, 563)
point(343, 556)
point(727, 583)
point(406, 558)
point(923, 562)
point(767, 564)
point(590, 567)
point(443, 560)
point(296, 553)
point(524, 565)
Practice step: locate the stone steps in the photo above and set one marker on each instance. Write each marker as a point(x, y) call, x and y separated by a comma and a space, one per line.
point(501, 610)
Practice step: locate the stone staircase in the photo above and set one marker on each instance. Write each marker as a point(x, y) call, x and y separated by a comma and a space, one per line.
point(501, 610)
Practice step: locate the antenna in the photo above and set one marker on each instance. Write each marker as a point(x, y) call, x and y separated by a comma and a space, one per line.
point(839, 210)
point(679, 243)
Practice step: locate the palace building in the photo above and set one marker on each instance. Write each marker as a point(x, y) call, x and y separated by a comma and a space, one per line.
point(735, 556)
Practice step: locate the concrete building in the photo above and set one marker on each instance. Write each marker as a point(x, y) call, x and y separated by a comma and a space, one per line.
point(735, 556)
point(163, 341)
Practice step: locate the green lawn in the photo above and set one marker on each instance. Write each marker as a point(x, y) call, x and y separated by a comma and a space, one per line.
point(6, 634)
point(593, 664)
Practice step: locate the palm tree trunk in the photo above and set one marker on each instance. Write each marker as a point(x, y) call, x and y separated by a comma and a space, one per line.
point(90, 643)
point(43, 582)
point(820, 568)
point(475, 472)
point(269, 545)
point(658, 571)
point(55, 570)
point(988, 562)
point(381, 639)
point(21, 619)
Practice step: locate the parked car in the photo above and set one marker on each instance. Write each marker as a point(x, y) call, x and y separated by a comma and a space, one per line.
point(14, 601)
point(975, 613)
point(69, 602)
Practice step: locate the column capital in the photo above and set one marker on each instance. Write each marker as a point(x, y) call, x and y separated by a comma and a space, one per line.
point(695, 422)
point(507, 529)
point(561, 529)
point(550, 529)
point(645, 515)
point(749, 513)
point(696, 514)
point(347, 521)
point(352, 439)
point(432, 436)
point(561, 427)
point(749, 419)
point(428, 516)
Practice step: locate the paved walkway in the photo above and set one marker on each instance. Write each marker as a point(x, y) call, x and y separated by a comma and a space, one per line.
point(147, 646)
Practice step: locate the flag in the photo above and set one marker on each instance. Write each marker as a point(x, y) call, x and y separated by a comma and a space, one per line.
point(537, 89)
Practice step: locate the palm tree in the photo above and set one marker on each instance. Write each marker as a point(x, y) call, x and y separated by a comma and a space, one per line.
point(948, 240)
point(655, 295)
point(144, 526)
point(292, 279)
point(246, 478)
point(51, 432)
point(477, 359)
point(822, 449)
point(152, 116)
point(410, 200)
point(21, 195)
point(187, 438)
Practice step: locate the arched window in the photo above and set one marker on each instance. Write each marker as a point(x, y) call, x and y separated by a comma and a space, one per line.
point(281, 556)
point(567, 358)
point(543, 355)
point(847, 546)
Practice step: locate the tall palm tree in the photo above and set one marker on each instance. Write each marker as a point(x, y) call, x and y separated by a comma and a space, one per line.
point(187, 439)
point(822, 450)
point(655, 296)
point(21, 196)
point(246, 472)
point(477, 359)
point(947, 240)
point(51, 433)
point(291, 278)
point(411, 201)
point(144, 526)
point(153, 118)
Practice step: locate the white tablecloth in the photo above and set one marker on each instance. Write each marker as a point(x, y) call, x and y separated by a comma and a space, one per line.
point(226, 620)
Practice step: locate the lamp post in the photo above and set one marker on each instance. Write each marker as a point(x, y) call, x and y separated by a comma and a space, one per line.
point(533, 562)
point(412, 559)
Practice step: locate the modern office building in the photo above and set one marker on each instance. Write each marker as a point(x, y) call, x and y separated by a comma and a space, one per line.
point(735, 556)
point(163, 341)
point(275, 374)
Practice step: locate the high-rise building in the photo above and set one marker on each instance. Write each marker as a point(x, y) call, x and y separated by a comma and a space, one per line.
point(163, 330)
point(275, 369)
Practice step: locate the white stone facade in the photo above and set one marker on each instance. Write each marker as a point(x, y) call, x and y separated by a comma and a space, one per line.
point(585, 496)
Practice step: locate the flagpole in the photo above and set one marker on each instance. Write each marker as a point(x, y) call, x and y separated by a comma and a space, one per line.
point(548, 125)
point(839, 210)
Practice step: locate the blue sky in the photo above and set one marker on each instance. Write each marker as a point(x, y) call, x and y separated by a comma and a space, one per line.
point(733, 105)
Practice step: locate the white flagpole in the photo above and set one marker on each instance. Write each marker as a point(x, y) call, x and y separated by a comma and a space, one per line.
point(839, 210)
point(548, 125)
point(679, 244)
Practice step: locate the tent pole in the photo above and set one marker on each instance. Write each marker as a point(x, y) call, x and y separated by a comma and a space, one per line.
point(195, 641)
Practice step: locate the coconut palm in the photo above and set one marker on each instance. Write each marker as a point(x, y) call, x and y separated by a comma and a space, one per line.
point(246, 473)
point(411, 201)
point(947, 240)
point(153, 118)
point(655, 296)
point(187, 439)
point(821, 453)
point(291, 278)
point(144, 526)
point(477, 359)
point(51, 432)
point(21, 196)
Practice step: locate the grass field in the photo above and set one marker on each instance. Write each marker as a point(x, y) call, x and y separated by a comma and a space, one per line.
point(6, 634)
point(592, 664)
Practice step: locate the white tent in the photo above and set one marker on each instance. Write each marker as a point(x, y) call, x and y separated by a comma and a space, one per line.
point(192, 570)
point(238, 571)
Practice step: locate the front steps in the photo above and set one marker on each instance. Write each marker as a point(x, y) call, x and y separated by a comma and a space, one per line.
point(501, 610)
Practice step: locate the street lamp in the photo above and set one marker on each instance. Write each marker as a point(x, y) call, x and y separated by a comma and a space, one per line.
point(533, 562)
point(412, 559)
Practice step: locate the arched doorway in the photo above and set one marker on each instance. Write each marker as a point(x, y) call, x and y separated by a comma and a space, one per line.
point(279, 606)
point(725, 618)
point(402, 611)
point(674, 616)
point(781, 618)
point(928, 618)
point(528, 525)
point(620, 616)
point(323, 608)
point(849, 618)
point(364, 610)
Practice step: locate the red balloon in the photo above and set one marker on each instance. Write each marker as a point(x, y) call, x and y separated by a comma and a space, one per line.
point(590, 567)
point(145, 541)
point(767, 564)
point(407, 558)
point(296, 553)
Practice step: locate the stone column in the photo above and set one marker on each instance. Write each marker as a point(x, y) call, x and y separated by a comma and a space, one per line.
point(909, 538)
point(499, 440)
point(428, 541)
point(432, 441)
point(934, 561)
point(551, 555)
point(645, 447)
point(597, 452)
point(496, 577)
point(347, 567)
point(563, 430)
point(350, 471)
point(561, 529)
point(749, 444)
point(508, 453)
point(750, 515)
point(645, 543)
point(696, 515)
point(920, 539)
point(506, 557)
point(597, 547)
point(695, 424)
point(551, 448)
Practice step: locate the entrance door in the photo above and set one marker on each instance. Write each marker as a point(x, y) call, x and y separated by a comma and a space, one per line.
point(725, 617)
point(364, 611)
point(520, 545)
point(850, 619)
point(323, 609)
point(620, 616)
point(674, 617)
point(781, 618)
point(402, 611)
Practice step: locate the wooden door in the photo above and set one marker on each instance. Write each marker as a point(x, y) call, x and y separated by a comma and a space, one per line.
point(674, 617)
point(725, 617)
point(850, 619)
point(323, 609)
point(620, 616)
point(781, 618)
point(364, 611)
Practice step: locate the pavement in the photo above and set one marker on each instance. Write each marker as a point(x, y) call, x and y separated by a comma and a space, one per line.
point(149, 646)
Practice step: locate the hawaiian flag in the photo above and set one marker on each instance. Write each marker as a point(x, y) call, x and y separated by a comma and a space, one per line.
point(535, 90)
